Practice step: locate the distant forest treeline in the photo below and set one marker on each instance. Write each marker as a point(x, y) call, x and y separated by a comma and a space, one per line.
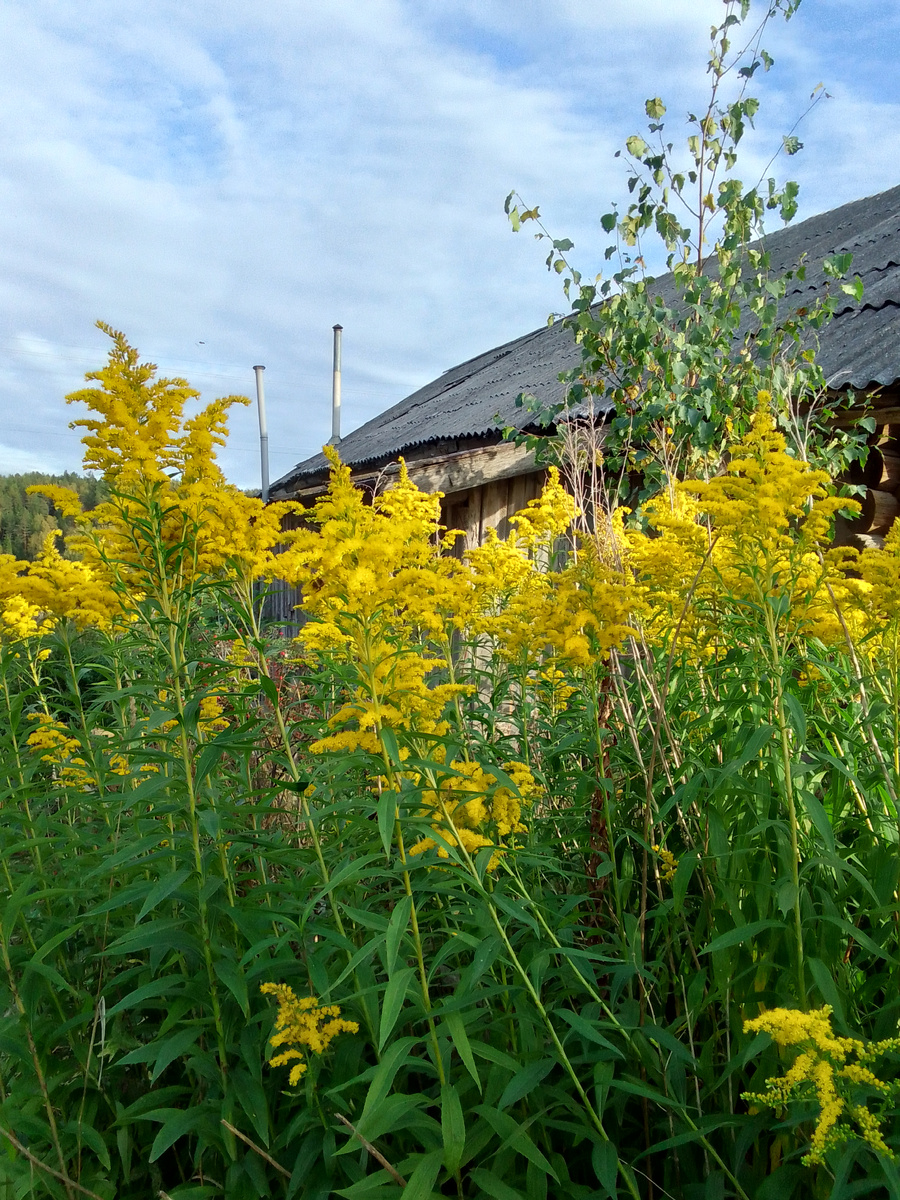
point(25, 520)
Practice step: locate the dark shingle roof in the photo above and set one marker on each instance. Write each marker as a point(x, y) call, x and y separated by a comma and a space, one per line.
point(859, 347)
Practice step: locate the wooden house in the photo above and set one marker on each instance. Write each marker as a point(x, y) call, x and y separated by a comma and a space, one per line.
point(450, 431)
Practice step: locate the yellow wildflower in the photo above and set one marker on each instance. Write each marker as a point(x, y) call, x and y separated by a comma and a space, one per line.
point(756, 533)
point(473, 799)
point(61, 750)
point(169, 502)
point(547, 518)
point(211, 720)
point(552, 687)
point(821, 1072)
point(302, 1021)
point(668, 863)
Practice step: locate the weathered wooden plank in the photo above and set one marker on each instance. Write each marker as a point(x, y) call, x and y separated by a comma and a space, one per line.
point(473, 526)
point(494, 505)
point(890, 469)
point(457, 514)
point(471, 468)
point(447, 473)
point(518, 496)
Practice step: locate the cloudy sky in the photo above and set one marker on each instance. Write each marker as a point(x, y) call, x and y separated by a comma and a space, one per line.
point(225, 181)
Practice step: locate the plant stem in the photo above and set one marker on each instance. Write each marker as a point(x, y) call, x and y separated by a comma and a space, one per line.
point(777, 668)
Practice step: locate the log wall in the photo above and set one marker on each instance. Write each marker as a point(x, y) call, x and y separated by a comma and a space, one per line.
point(880, 476)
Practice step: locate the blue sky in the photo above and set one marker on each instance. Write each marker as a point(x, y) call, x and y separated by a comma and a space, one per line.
point(225, 181)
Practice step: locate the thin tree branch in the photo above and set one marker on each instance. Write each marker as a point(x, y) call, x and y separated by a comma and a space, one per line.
point(37, 1162)
point(376, 1154)
point(258, 1149)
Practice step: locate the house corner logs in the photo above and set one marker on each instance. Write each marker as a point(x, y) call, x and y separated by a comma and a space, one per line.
point(880, 476)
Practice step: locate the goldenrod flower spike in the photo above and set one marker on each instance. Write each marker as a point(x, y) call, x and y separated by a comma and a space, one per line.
point(760, 530)
point(302, 1021)
point(668, 863)
point(821, 1073)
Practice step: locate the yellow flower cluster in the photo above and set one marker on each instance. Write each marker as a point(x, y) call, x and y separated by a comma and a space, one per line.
point(54, 742)
point(35, 595)
point(757, 533)
point(668, 863)
point(473, 799)
point(371, 565)
point(302, 1021)
point(62, 751)
point(553, 687)
point(381, 598)
point(171, 510)
point(380, 595)
point(211, 719)
point(543, 521)
point(21, 621)
point(821, 1072)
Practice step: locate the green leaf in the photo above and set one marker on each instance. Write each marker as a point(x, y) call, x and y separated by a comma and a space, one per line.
point(837, 265)
point(177, 1124)
point(858, 936)
point(493, 1186)
point(363, 954)
point(787, 897)
point(394, 1112)
point(516, 909)
point(524, 1082)
point(457, 1030)
point(397, 928)
point(163, 1053)
point(91, 1138)
point(421, 1182)
point(798, 716)
point(391, 746)
point(453, 1127)
point(171, 986)
point(394, 995)
point(387, 819)
point(742, 933)
point(633, 1088)
point(158, 893)
point(22, 896)
point(586, 1030)
point(818, 816)
point(605, 1161)
point(234, 980)
point(252, 1099)
point(515, 1136)
point(824, 981)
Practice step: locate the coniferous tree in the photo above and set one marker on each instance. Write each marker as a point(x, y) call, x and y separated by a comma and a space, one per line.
point(27, 519)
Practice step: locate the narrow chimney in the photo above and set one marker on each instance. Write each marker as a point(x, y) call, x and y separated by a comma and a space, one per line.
point(336, 388)
point(263, 435)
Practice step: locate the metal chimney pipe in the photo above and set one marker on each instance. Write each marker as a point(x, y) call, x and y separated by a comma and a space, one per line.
point(336, 388)
point(263, 435)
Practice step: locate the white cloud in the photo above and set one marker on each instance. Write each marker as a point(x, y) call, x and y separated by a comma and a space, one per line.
point(244, 176)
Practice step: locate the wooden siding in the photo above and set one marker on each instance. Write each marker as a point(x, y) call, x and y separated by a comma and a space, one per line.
point(489, 506)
